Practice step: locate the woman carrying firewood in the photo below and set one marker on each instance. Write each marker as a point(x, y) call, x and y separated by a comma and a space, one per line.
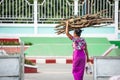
point(80, 53)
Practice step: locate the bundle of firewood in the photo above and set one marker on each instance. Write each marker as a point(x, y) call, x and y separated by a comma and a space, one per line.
point(88, 20)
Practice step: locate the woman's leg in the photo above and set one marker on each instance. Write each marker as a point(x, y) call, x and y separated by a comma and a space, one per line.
point(78, 66)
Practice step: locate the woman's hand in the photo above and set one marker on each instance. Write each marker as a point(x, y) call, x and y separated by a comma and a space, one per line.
point(67, 27)
point(67, 31)
point(88, 60)
point(86, 51)
point(66, 23)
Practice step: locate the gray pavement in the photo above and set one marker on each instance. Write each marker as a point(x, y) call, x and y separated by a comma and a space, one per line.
point(54, 72)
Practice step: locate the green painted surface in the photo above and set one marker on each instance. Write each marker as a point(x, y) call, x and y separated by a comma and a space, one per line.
point(45, 40)
point(117, 43)
point(39, 40)
point(63, 50)
point(115, 52)
point(50, 50)
point(47, 46)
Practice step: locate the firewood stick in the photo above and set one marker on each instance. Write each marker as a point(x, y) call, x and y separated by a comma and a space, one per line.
point(60, 25)
point(86, 21)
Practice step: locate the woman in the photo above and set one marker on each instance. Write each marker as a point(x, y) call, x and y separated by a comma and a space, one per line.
point(80, 53)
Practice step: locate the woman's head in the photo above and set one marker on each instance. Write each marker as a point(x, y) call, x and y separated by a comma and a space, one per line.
point(77, 32)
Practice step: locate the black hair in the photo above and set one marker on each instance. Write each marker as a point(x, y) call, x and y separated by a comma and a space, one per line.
point(78, 32)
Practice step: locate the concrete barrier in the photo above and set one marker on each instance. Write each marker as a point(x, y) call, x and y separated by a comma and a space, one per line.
point(9, 68)
point(105, 67)
point(12, 66)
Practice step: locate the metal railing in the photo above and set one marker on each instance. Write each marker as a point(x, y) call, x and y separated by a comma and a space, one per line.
point(54, 10)
point(119, 16)
point(16, 11)
point(119, 20)
point(94, 6)
point(50, 11)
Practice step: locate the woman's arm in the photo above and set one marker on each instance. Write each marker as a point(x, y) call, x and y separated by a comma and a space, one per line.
point(67, 31)
point(86, 51)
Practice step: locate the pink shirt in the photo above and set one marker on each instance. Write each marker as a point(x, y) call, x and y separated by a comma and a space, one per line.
point(78, 43)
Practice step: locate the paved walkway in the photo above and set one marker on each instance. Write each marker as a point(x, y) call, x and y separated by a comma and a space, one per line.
point(54, 72)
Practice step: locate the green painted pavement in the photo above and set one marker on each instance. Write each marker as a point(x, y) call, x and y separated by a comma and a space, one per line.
point(44, 40)
point(59, 46)
point(63, 50)
point(115, 52)
point(39, 40)
point(117, 43)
